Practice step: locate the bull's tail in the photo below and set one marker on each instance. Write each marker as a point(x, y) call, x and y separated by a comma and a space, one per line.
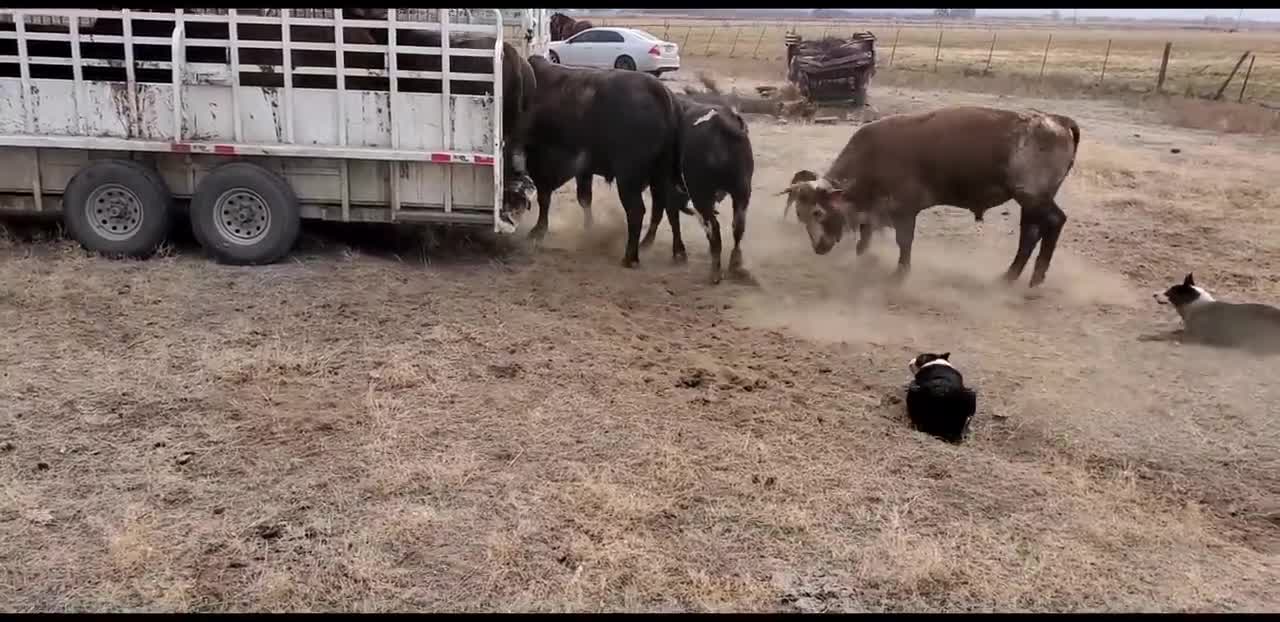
point(677, 127)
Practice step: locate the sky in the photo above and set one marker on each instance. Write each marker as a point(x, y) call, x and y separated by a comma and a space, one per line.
point(1194, 14)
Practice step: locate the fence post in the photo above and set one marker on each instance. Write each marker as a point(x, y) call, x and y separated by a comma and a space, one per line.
point(666, 26)
point(1246, 77)
point(1105, 58)
point(894, 52)
point(734, 47)
point(757, 48)
point(824, 31)
point(710, 40)
point(1222, 89)
point(937, 51)
point(1044, 61)
point(685, 44)
point(991, 51)
point(1164, 65)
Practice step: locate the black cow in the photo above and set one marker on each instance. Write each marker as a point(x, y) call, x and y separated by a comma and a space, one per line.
point(715, 161)
point(621, 125)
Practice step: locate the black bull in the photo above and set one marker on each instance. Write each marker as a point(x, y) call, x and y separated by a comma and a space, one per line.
point(621, 125)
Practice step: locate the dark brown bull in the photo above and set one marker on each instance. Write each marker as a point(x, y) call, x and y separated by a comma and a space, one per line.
point(562, 26)
point(969, 157)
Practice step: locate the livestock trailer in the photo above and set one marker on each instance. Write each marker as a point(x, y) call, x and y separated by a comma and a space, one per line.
point(252, 119)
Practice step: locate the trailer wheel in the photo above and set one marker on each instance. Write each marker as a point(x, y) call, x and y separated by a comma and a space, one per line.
point(117, 208)
point(243, 214)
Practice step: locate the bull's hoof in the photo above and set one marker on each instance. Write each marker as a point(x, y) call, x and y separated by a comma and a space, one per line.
point(1009, 278)
point(715, 277)
point(628, 262)
point(1036, 280)
point(537, 233)
point(647, 241)
point(679, 258)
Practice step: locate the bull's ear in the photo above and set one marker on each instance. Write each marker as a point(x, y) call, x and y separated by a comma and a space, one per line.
point(1189, 282)
point(788, 191)
point(945, 356)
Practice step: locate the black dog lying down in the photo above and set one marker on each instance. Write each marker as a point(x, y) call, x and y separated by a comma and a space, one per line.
point(938, 403)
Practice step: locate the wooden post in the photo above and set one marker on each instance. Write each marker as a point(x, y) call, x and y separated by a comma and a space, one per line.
point(1044, 61)
point(937, 51)
point(666, 26)
point(1105, 58)
point(991, 51)
point(757, 48)
point(824, 32)
point(1222, 89)
point(1164, 66)
point(894, 51)
point(710, 40)
point(1246, 77)
point(734, 47)
point(684, 45)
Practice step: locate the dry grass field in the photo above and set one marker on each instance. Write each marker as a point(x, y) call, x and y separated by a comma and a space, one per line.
point(394, 421)
point(1199, 62)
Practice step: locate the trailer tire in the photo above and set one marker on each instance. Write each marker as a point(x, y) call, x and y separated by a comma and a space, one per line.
point(118, 208)
point(243, 214)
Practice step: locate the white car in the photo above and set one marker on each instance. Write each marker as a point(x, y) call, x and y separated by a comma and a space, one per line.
point(617, 48)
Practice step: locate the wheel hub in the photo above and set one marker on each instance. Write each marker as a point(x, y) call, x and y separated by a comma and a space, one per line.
point(114, 212)
point(242, 216)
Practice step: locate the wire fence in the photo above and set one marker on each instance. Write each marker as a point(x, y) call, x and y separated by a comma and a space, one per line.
point(1242, 67)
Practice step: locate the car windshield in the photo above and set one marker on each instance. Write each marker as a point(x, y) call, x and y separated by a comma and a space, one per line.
point(645, 35)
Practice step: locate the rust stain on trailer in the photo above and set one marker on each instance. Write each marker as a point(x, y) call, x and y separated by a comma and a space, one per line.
point(272, 95)
point(120, 101)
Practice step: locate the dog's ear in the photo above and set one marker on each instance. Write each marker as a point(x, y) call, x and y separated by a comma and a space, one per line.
point(945, 356)
point(1189, 282)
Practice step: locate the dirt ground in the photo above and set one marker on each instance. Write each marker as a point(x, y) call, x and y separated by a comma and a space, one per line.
point(429, 424)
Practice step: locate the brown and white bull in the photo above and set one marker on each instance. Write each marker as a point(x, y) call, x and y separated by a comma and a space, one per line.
point(969, 157)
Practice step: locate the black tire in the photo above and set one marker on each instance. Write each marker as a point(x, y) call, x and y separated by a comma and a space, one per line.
point(264, 224)
point(625, 62)
point(554, 58)
point(118, 208)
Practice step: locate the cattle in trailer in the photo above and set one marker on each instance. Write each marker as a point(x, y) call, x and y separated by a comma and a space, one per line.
point(621, 125)
point(970, 157)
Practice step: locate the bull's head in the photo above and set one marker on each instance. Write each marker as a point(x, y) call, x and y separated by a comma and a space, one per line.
point(822, 208)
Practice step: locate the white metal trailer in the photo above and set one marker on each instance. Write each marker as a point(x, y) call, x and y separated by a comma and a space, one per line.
point(112, 118)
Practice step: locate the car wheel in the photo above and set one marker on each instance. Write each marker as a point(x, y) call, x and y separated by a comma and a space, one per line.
point(117, 208)
point(244, 214)
point(553, 57)
point(624, 62)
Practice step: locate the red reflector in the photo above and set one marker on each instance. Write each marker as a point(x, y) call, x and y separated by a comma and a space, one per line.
point(653, 51)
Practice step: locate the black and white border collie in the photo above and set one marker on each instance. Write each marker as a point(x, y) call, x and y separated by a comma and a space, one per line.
point(1248, 326)
point(938, 403)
